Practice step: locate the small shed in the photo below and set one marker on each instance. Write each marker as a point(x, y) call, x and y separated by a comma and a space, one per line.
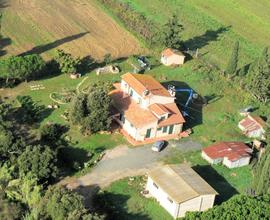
point(253, 126)
point(179, 189)
point(231, 154)
point(171, 57)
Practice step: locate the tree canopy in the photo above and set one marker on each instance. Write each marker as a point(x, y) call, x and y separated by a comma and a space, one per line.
point(240, 207)
point(92, 111)
point(39, 162)
point(66, 62)
point(171, 33)
point(258, 78)
point(19, 68)
point(232, 64)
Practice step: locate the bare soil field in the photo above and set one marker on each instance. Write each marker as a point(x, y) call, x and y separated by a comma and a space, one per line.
point(77, 26)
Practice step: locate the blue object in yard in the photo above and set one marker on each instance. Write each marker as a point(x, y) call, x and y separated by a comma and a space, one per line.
point(191, 96)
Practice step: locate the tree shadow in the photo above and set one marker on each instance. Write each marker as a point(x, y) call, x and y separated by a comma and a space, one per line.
point(115, 206)
point(195, 107)
point(218, 182)
point(199, 42)
point(4, 42)
point(45, 47)
point(71, 157)
point(3, 4)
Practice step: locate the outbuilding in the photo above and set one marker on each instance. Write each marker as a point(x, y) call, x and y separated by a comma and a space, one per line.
point(231, 154)
point(179, 189)
point(171, 57)
point(253, 126)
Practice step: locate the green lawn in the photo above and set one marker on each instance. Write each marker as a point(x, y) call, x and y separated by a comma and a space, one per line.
point(124, 201)
point(214, 26)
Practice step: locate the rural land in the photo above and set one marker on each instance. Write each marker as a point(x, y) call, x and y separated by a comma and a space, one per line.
point(131, 109)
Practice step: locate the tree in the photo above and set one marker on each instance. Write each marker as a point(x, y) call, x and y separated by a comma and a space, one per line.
point(232, 65)
point(51, 133)
point(238, 207)
point(60, 203)
point(107, 58)
point(38, 162)
point(258, 78)
point(171, 36)
point(78, 109)
point(67, 63)
point(29, 111)
point(261, 180)
point(9, 210)
point(19, 68)
point(92, 112)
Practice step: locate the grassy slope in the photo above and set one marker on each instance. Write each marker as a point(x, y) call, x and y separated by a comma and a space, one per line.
point(127, 202)
point(204, 20)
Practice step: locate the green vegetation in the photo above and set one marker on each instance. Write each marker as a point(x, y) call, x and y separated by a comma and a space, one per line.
point(19, 68)
point(258, 78)
point(261, 182)
point(232, 65)
point(123, 200)
point(240, 207)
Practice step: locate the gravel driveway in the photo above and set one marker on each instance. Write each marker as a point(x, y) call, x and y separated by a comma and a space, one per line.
point(123, 161)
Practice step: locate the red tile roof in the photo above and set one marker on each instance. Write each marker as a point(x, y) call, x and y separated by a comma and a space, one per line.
point(136, 115)
point(169, 52)
point(175, 116)
point(252, 123)
point(232, 150)
point(140, 117)
point(142, 82)
point(158, 109)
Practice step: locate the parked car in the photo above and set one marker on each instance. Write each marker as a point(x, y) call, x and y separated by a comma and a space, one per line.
point(158, 146)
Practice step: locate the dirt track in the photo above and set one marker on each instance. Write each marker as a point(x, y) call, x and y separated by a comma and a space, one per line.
point(77, 26)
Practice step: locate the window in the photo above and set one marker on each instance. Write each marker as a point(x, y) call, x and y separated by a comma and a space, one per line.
point(165, 128)
point(170, 200)
point(162, 118)
point(155, 185)
point(131, 93)
point(159, 129)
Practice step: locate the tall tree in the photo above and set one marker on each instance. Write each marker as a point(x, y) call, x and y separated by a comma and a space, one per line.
point(261, 180)
point(258, 78)
point(67, 63)
point(39, 162)
point(232, 65)
point(171, 36)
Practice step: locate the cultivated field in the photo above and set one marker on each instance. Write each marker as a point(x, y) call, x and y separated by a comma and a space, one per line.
point(213, 26)
point(79, 27)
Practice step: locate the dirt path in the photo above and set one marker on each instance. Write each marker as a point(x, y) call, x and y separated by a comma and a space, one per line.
point(77, 26)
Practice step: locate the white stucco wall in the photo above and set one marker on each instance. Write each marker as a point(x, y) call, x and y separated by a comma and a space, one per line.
point(237, 163)
point(161, 197)
point(172, 60)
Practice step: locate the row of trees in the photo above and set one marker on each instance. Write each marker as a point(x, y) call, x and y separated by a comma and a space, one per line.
point(255, 77)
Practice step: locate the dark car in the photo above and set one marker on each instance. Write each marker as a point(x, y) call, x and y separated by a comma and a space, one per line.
point(158, 146)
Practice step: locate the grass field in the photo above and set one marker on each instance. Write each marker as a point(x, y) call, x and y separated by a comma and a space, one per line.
point(214, 26)
point(124, 201)
point(79, 27)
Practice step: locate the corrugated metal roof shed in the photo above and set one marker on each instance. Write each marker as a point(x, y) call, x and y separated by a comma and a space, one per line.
point(180, 182)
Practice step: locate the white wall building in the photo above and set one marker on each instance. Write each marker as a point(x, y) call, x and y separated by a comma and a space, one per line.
point(146, 109)
point(178, 188)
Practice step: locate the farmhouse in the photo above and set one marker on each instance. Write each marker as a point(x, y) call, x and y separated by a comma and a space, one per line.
point(231, 154)
point(178, 188)
point(253, 126)
point(170, 57)
point(145, 109)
